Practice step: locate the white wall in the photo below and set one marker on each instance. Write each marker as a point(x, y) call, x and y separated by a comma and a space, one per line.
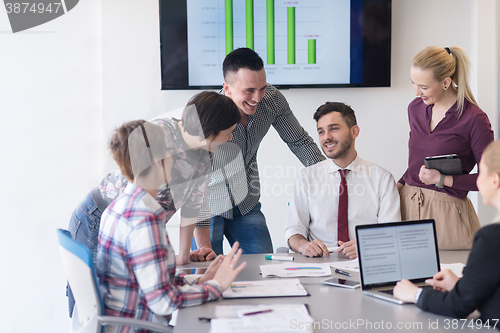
point(50, 143)
point(66, 84)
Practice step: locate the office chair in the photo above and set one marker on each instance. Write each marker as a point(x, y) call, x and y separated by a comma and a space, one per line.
point(88, 316)
point(282, 249)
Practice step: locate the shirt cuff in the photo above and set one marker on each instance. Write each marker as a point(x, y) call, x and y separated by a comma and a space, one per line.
point(215, 284)
point(421, 297)
point(417, 294)
point(192, 278)
point(203, 224)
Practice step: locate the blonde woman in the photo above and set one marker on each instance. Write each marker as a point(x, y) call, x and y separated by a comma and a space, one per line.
point(479, 288)
point(444, 119)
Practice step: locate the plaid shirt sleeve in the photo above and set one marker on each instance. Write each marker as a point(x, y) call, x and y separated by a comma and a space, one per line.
point(153, 261)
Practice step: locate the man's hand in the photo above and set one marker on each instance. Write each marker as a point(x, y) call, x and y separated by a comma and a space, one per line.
point(202, 254)
point(405, 290)
point(316, 248)
point(182, 259)
point(443, 281)
point(348, 248)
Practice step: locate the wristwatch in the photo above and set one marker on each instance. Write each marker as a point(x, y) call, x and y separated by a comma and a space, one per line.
point(440, 184)
point(417, 294)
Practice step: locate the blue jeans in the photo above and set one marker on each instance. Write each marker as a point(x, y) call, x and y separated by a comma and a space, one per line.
point(250, 230)
point(84, 227)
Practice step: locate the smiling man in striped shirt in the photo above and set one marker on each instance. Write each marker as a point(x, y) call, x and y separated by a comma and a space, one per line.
point(232, 208)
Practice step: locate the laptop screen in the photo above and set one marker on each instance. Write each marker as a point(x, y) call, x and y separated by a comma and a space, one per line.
point(389, 252)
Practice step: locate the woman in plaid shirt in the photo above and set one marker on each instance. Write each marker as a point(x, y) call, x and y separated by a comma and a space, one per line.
point(207, 116)
point(135, 261)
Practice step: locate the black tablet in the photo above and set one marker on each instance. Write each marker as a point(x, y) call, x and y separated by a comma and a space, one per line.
point(446, 164)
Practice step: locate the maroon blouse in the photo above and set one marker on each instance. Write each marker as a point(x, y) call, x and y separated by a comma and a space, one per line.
point(466, 136)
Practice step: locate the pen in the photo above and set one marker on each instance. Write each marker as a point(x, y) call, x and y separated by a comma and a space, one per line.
point(257, 312)
point(269, 257)
point(204, 319)
point(342, 272)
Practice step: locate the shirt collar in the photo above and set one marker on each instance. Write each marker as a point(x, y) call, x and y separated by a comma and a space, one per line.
point(134, 190)
point(354, 166)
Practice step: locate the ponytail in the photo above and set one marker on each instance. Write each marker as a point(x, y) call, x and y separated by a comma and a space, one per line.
point(449, 62)
point(461, 77)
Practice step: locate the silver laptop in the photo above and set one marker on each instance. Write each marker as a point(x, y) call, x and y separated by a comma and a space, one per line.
point(389, 252)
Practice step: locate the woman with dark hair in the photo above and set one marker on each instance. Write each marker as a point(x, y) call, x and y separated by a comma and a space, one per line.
point(444, 119)
point(207, 121)
point(135, 260)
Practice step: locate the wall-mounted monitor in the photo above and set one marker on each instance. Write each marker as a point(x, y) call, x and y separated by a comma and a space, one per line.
point(303, 43)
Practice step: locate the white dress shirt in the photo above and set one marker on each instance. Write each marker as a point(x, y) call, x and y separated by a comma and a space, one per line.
point(313, 212)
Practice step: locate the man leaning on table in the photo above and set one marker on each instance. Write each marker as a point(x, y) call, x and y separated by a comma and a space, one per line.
point(238, 216)
point(332, 197)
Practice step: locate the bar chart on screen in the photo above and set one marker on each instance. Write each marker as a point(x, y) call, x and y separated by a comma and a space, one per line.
point(297, 40)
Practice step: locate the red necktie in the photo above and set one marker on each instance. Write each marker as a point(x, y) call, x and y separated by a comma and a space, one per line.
point(342, 226)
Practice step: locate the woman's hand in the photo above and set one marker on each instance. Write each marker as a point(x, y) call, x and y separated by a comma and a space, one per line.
point(429, 176)
point(211, 270)
point(228, 271)
point(405, 290)
point(444, 280)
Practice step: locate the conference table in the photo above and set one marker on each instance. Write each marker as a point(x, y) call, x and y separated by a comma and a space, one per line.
point(334, 308)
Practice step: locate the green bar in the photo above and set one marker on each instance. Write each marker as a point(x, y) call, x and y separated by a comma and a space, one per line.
point(249, 24)
point(229, 25)
point(291, 34)
point(270, 31)
point(311, 51)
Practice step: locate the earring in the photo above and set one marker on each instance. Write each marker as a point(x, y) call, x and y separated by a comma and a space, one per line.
point(445, 87)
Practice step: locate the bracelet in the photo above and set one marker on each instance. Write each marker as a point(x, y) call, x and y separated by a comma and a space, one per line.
point(440, 184)
point(417, 294)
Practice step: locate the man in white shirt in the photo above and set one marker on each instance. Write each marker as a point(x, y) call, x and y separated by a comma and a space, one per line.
point(328, 203)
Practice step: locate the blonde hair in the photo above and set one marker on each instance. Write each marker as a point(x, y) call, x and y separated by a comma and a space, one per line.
point(491, 157)
point(454, 65)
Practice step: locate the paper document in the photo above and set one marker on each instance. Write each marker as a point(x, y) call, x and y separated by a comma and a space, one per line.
point(456, 268)
point(265, 288)
point(291, 269)
point(347, 265)
point(276, 318)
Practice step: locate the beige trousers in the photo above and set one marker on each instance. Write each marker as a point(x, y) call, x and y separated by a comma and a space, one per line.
point(456, 219)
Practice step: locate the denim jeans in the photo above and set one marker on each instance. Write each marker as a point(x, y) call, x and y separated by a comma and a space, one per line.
point(250, 230)
point(84, 227)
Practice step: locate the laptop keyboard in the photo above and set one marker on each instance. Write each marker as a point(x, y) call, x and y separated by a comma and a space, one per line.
point(391, 291)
